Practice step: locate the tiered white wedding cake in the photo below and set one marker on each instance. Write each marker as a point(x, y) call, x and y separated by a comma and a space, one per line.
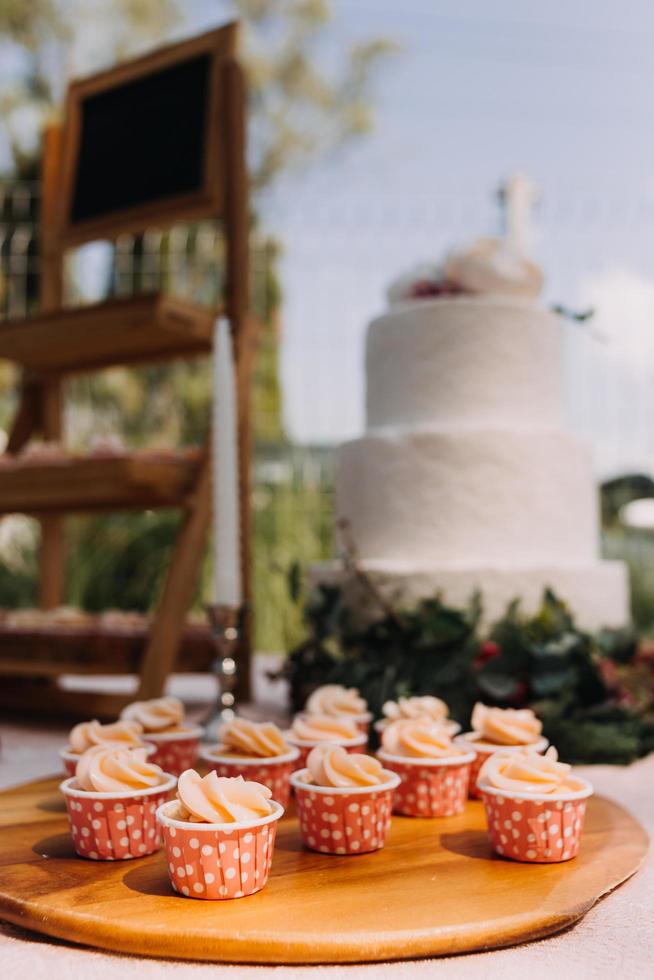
point(466, 479)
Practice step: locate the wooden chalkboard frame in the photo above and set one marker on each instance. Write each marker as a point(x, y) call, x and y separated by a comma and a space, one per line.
point(224, 194)
point(210, 199)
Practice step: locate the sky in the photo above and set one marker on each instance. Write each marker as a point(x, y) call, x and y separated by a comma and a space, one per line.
point(477, 92)
point(562, 91)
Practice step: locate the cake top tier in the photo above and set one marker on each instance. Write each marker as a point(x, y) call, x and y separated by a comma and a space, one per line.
point(490, 266)
point(465, 362)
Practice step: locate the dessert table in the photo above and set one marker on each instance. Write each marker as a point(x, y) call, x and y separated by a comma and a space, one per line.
point(615, 936)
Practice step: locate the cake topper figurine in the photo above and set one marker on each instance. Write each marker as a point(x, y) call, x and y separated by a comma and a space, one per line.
point(517, 198)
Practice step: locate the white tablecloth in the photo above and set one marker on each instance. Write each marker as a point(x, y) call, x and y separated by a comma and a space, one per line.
point(614, 940)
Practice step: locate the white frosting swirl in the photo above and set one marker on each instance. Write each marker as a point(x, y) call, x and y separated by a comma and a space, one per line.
point(221, 799)
point(156, 715)
point(331, 765)
point(419, 739)
point(505, 726)
point(334, 699)
point(110, 769)
point(324, 728)
point(490, 265)
point(250, 738)
point(89, 733)
point(426, 706)
point(528, 772)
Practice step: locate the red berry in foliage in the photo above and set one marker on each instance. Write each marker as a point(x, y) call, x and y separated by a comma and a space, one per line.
point(609, 673)
point(487, 651)
point(519, 697)
point(645, 653)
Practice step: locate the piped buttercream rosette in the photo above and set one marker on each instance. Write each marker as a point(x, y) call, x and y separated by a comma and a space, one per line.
point(334, 699)
point(252, 739)
point(419, 738)
point(156, 715)
point(505, 726)
point(340, 702)
point(90, 733)
point(529, 772)
point(212, 799)
point(113, 769)
point(425, 706)
point(420, 707)
point(331, 765)
point(321, 728)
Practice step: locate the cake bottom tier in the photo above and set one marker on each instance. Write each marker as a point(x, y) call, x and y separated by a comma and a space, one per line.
point(478, 496)
point(597, 594)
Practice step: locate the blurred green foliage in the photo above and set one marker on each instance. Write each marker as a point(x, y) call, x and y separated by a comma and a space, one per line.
point(570, 678)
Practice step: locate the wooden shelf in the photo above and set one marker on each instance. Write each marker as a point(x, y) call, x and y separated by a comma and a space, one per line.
point(138, 329)
point(94, 649)
point(88, 484)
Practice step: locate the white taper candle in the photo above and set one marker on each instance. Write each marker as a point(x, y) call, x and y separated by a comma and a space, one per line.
point(226, 521)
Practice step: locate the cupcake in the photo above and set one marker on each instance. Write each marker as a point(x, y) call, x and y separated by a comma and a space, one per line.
point(112, 800)
point(307, 731)
point(219, 835)
point(88, 734)
point(434, 770)
point(256, 751)
point(162, 720)
point(535, 808)
point(338, 701)
point(344, 801)
point(500, 728)
point(425, 707)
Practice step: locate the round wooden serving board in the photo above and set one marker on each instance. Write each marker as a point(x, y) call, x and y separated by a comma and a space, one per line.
point(436, 888)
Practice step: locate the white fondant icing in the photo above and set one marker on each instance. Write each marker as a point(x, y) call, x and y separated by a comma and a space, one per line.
point(597, 592)
point(484, 496)
point(465, 361)
point(465, 479)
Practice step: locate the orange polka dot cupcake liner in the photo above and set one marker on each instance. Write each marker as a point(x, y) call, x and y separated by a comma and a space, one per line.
point(274, 773)
point(429, 787)
point(175, 752)
point(344, 820)
point(218, 861)
point(69, 762)
point(481, 754)
point(351, 745)
point(115, 826)
point(363, 723)
point(535, 829)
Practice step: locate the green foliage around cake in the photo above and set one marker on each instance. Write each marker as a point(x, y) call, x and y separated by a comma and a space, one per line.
point(593, 693)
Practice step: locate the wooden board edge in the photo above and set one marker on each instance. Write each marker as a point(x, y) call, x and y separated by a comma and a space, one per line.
point(272, 950)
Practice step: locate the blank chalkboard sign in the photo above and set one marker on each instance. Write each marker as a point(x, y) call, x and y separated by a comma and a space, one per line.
point(143, 142)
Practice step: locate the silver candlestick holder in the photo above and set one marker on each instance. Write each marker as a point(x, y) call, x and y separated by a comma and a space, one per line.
point(225, 622)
